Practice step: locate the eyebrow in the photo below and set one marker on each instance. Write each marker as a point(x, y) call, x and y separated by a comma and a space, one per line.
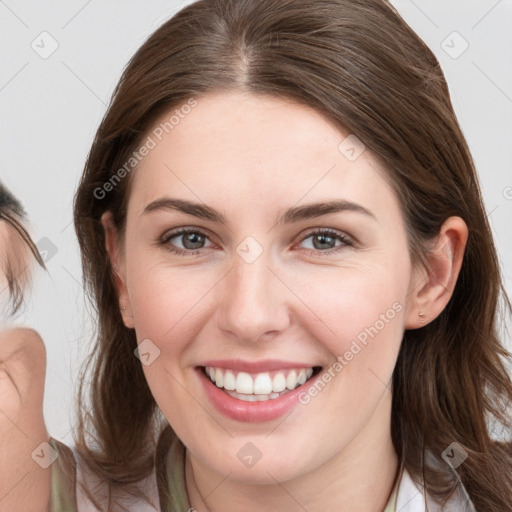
point(291, 215)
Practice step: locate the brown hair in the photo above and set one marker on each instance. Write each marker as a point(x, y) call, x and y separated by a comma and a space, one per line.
point(15, 248)
point(358, 63)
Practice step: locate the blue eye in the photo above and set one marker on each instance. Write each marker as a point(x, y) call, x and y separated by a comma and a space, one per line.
point(189, 237)
point(193, 241)
point(328, 236)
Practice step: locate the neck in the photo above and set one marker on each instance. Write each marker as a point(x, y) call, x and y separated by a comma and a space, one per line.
point(360, 478)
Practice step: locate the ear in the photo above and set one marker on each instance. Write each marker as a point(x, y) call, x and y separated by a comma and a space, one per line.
point(116, 255)
point(432, 288)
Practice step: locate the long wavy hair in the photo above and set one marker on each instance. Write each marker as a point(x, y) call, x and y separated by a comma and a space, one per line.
point(359, 64)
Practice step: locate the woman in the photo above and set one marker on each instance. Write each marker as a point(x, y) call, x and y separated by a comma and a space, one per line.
point(22, 368)
point(236, 367)
point(16, 247)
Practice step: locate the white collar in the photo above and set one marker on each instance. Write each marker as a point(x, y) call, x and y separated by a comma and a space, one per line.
point(411, 498)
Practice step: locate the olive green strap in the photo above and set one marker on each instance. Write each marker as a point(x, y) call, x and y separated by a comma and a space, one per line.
point(63, 492)
point(171, 479)
point(391, 505)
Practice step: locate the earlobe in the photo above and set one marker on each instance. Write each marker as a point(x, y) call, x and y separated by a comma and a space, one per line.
point(114, 251)
point(433, 287)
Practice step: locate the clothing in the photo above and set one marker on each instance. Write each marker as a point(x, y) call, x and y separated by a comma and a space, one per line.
point(171, 496)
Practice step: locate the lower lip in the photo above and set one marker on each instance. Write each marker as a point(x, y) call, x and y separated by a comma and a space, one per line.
point(252, 412)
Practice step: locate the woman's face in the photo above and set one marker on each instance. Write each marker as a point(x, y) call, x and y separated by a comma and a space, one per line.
point(265, 292)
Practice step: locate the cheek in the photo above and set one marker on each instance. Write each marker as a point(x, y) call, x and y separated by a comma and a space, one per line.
point(357, 314)
point(164, 300)
point(165, 303)
point(355, 304)
point(336, 305)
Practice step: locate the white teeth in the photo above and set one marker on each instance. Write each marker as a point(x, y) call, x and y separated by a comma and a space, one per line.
point(255, 398)
point(291, 380)
point(244, 383)
point(229, 381)
point(219, 378)
point(260, 386)
point(279, 382)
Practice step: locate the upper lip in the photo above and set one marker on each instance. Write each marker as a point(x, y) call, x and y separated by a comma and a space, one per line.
point(266, 365)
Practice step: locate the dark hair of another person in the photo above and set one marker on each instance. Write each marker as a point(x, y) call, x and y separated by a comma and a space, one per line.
point(15, 242)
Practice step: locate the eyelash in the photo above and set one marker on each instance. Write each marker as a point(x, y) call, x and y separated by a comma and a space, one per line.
point(346, 241)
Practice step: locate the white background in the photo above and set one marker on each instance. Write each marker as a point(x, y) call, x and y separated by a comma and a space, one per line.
point(50, 109)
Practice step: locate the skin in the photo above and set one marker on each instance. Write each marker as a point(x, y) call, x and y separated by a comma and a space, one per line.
point(22, 428)
point(22, 377)
point(251, 157)
point(15, 256)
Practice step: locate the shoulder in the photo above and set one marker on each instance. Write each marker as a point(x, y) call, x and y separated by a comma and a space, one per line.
point(73, 482)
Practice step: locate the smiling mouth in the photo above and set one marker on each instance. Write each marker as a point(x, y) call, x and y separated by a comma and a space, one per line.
point(259, 387)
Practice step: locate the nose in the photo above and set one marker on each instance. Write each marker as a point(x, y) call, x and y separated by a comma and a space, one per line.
point(254, 301)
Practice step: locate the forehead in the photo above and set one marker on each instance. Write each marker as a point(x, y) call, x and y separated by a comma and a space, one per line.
point(233, 147)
